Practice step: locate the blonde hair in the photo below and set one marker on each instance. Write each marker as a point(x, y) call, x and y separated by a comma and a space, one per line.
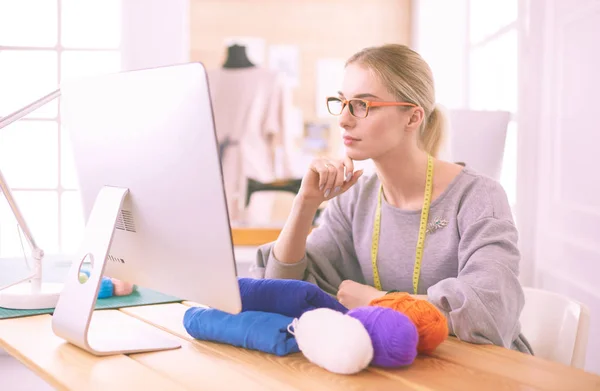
point(410, 79)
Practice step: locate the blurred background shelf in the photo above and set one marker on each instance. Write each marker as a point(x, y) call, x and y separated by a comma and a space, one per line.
point(254, 236)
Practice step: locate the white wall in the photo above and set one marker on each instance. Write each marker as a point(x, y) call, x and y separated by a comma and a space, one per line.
point(154, 33)
point(567, 262)
point(559, 183)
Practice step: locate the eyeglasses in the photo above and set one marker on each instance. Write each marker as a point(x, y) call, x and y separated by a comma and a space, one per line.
point(358, 107)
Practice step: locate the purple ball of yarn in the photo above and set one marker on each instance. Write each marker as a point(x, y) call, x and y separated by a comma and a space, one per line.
point(393, 334)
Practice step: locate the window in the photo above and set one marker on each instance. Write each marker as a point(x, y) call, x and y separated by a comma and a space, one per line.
point(43, 43)
point(472, 48)
point(492, 58)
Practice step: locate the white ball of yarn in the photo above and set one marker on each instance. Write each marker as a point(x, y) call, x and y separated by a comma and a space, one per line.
point(333, 341)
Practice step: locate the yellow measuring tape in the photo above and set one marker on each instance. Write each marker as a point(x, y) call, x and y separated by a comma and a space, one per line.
point(422, 230)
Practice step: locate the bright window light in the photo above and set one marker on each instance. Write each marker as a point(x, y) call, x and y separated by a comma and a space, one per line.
point(29, 154)
point(26, 76)
point(92, 24)
point(32, 64)
point(489, 16)
point(28, 23)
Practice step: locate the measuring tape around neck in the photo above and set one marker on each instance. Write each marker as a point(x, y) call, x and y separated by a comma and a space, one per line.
point(422, 230)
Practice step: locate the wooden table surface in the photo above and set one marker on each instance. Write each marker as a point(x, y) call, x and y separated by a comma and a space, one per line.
point(200, 365)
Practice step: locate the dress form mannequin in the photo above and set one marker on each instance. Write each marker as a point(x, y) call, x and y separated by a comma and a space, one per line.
point(249, 103)
point(236, 58)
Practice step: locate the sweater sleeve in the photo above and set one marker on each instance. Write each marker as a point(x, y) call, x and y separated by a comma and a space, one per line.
point(484, 302)
point(330, 257)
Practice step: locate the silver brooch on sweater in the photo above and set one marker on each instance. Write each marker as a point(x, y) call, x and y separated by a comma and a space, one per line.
point(436, 224)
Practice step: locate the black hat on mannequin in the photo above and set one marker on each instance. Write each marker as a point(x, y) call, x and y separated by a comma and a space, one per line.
point(237, 57)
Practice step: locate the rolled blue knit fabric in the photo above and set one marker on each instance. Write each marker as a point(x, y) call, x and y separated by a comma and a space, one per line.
point(262, 331)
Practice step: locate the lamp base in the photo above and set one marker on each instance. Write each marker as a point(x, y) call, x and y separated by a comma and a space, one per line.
point(23, 297)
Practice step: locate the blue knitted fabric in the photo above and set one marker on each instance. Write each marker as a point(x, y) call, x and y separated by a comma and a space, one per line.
point(262, 331)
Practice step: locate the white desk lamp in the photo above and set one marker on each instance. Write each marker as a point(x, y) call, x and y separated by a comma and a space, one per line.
point(30, 292)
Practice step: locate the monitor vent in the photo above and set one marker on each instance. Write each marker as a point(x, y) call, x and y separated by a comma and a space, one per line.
point(125, 221)
point(112, 258)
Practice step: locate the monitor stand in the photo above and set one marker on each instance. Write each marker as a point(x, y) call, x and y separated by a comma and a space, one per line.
point(73, 314)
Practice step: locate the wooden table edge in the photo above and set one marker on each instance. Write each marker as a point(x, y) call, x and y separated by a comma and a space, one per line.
point(16, 354)
point(57, 382)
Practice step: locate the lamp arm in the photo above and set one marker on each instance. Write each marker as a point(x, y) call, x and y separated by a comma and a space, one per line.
point(37, 253)
point(17, 115)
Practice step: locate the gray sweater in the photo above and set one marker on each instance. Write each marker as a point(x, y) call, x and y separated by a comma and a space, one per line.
point(469, 268)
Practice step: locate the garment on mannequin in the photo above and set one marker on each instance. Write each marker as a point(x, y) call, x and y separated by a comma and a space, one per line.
point(249, 103)
point(237, 57)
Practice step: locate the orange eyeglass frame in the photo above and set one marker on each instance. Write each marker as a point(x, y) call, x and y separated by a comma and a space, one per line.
point(368, 104)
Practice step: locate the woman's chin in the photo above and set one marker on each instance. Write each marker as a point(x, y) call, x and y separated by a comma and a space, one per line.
point(353, 154)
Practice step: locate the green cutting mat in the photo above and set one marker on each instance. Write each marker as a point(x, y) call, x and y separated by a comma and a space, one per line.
point(141, 296)
point(13, 271)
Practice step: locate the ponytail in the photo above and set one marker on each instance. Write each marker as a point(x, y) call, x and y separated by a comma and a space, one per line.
point(432, 136)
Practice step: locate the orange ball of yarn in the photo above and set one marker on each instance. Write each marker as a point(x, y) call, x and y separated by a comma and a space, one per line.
point(431, 324)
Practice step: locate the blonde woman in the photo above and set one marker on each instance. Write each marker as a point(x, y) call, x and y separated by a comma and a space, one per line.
point(435, 229)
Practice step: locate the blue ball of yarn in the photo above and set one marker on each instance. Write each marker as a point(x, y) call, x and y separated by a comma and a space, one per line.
point(393, 334)
point(106, 288)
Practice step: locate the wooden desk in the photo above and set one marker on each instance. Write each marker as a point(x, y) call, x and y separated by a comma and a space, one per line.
point(200, 365)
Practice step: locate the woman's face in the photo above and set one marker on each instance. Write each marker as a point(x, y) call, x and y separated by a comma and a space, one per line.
point(383, 129)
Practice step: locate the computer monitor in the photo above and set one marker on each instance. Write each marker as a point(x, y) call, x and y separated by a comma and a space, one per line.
point(151, 184)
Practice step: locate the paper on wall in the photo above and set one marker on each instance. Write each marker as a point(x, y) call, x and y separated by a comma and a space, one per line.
point(286, 59)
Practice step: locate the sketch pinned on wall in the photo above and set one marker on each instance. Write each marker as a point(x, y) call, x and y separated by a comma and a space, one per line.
point(255, 47)
point(286, 59)
point(330, 72)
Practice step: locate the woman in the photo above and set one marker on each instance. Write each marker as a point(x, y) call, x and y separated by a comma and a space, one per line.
point(435, 229)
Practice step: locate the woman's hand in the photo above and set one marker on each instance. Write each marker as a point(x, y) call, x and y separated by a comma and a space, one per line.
point(352, 294)
point(327, 178)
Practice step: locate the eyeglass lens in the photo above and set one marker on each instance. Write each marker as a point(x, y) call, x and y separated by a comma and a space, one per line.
point(358, 108)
